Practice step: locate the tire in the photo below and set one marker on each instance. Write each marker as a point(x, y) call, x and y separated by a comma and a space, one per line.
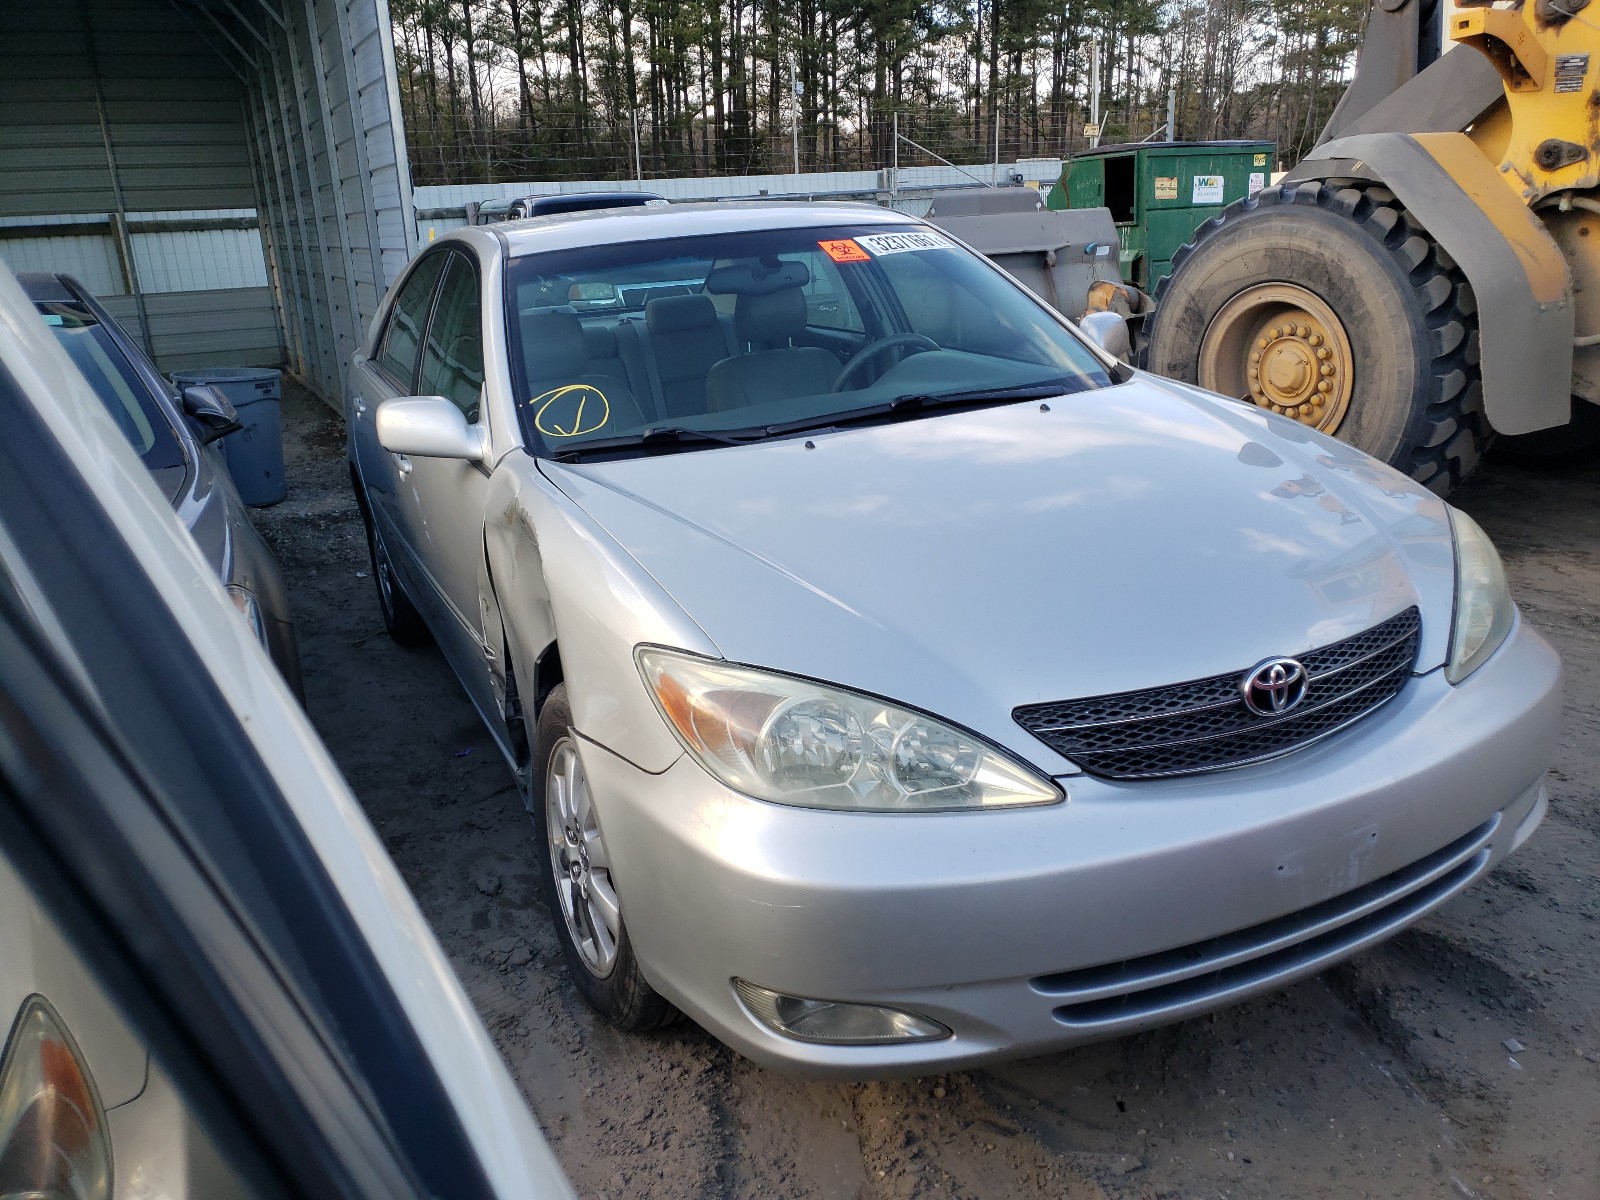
point(1407, 313)
point(607, 977)
point(400, 616)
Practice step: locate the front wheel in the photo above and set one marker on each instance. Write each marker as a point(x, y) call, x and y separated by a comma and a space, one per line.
point(1326, 302)
point(580, 881)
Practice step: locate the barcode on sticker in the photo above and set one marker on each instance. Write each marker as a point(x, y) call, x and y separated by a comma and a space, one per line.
point(879, 244)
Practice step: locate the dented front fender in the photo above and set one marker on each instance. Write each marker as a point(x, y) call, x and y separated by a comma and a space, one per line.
point(555, 576)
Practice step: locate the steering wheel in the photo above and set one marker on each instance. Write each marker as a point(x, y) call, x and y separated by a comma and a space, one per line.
point(872, 349)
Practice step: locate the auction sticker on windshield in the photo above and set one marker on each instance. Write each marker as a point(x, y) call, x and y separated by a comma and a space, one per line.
point(879, 244)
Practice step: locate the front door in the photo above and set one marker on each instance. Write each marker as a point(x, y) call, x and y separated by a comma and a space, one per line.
point(441, 501)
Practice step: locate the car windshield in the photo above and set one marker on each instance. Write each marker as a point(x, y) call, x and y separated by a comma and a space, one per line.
point(698, 341)
point(126, 396)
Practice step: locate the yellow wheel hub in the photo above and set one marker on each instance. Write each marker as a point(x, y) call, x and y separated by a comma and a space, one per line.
point(1281, 347)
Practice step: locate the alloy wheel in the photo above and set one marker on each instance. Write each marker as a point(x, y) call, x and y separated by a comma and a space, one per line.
point(579, 862)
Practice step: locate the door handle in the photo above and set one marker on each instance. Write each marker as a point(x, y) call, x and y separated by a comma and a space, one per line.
point(403, 464)
point(361, 407)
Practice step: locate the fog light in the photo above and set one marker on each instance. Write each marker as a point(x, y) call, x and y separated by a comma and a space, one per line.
point(834, 1021)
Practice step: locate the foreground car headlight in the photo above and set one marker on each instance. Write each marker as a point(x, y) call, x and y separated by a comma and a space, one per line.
point(53, 1139)
point(250, 610)
point(796, 742)
point(1483, 599)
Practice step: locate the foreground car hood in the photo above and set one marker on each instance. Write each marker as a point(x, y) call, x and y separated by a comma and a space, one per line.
point(970, 563)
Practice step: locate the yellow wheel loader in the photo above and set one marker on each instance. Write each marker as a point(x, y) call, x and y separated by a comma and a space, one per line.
point(1429, 277)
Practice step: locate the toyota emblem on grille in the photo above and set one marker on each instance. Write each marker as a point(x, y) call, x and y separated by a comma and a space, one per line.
point(1274, 687)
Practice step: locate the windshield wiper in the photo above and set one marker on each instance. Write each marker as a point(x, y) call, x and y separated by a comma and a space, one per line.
point(1028, 391)
point(662, 436)
point(912, 403)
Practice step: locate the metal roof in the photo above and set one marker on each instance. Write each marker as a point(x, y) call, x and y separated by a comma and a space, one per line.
point(126, 125)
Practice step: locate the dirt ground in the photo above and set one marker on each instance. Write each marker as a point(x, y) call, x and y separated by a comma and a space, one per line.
point(1389, 1076)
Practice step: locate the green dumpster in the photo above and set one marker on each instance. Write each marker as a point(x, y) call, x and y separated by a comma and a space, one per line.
point(1159, 193)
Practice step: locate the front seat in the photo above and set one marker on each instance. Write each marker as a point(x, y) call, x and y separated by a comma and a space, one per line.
point(775, 368)
point(568, 398)
point(685, 339)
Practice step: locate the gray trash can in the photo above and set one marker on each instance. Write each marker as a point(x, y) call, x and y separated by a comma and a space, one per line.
point(255, 453)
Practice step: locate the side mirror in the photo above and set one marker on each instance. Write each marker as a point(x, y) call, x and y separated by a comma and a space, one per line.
point(211, 411)
point(1110, 332)
point(429, 427)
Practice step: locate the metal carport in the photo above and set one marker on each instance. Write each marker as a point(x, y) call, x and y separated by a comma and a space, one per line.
point(137, 137)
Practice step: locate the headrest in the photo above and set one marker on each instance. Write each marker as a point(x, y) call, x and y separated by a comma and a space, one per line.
point(770, 317)
point(675, 314)
point(601, 341)
point(757, 278)
point(553, 345)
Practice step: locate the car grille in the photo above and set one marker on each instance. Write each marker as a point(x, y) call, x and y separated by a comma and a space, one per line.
point(1173, 983)
point(1204, 725)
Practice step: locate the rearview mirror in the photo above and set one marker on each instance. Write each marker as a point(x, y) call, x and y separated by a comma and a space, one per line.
point(210, 410)
point(593, 295)
point(429, 427)
point(1110, 332)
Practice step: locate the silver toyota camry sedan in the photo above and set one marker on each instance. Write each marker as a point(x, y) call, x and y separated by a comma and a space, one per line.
point(895, 680)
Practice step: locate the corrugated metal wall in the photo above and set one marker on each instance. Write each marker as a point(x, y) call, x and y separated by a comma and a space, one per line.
point(234, 168)
point(334, 186)
point(220, 327)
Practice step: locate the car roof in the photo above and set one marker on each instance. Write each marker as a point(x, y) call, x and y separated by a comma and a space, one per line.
point(573, 201)
point(617, 198)
point(611, 226)
point(47, 287)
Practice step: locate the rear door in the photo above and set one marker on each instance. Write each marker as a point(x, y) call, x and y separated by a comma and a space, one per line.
point(391, 371)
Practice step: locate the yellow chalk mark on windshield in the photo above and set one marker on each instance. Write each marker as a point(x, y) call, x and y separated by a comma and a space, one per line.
point(570, 410)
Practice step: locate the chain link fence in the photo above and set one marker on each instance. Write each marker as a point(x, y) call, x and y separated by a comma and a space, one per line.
point(589, 146)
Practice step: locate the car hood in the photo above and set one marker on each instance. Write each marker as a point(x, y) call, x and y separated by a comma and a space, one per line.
point(968, 563)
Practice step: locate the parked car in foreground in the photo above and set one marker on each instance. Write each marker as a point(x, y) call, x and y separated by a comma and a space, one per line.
point(517, 207)
point(896, 681)
point(174, 435)
point(213, 982)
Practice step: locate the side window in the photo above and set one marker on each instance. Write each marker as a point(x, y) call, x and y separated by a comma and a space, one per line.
point(452, 355)
point(828, 302)
point(403, 336)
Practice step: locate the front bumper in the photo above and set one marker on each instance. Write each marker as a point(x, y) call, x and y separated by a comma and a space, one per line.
point(1131, 905)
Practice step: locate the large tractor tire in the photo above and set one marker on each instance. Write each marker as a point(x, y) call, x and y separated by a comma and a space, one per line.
point(1324, 301)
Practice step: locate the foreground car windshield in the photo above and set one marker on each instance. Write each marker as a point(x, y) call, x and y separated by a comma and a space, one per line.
point(94, 352)
point(749, 333)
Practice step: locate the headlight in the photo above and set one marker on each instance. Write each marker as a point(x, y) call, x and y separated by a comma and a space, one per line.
point(796, 742)
point(250, 610)
point(1483, 600)
point(53, 1137)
